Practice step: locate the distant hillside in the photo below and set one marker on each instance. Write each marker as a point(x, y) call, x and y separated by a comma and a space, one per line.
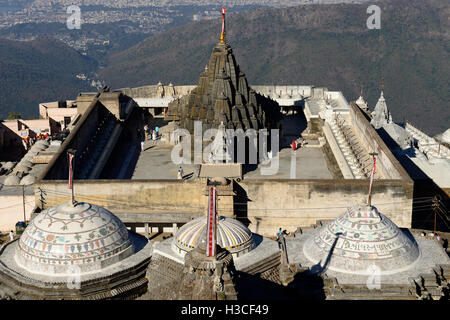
point(38, 71)
point(326, 45)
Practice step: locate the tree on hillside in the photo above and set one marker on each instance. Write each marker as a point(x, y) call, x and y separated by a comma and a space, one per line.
point(14, 115)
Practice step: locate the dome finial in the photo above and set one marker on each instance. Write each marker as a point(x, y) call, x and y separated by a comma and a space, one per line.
point(222, 35)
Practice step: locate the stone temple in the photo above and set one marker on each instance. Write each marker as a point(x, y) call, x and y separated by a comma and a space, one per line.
point(224, 96)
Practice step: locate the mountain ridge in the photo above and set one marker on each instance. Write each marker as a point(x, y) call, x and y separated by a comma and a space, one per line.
point(327, 45)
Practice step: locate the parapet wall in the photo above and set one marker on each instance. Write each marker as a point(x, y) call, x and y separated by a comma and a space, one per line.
point(157, 91)
point(300, 203)
point(280, 90)
point(78, 139)
point(267, 204)
point(386, 162)
point(167, 201)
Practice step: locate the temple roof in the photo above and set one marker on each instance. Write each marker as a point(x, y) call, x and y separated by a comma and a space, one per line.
point(381, 114)
point(232, 235)
point(360, 239)
point(84, 235)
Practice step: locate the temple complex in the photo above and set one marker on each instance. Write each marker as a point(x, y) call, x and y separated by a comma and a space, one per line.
point(148, 227)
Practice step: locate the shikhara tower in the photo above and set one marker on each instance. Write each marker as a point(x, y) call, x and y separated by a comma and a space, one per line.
point(224, 96)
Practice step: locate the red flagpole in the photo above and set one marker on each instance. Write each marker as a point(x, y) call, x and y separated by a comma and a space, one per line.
point(71, 153)
point(372, 176)
point(211, 226)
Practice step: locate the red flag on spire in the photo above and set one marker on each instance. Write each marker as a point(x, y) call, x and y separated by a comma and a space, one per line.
point(223, 11)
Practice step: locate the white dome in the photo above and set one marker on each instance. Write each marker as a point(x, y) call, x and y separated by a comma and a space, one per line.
point(232, 235)
point(359, 239)
point(87, 236)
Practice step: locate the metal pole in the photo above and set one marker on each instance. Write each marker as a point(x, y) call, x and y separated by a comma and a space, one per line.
point(435, 206)
point(372, 177)
point(23, 201)
point(71, 153)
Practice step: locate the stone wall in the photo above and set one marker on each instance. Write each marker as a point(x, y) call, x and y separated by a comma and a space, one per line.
point(266, 204)
point(11, 209)
point(155, 91)
point(386, 162)
point(299, 203)
point(143, 201)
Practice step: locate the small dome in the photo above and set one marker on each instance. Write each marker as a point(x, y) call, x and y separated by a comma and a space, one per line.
point(27, 180)
point(85, 235)
point(232, 235)
point(12, 180)
point(359, 239)
point(9, 165)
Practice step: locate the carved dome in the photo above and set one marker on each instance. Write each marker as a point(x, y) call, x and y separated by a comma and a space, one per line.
point(360, 238)
point(232, 235)
point(85, 235)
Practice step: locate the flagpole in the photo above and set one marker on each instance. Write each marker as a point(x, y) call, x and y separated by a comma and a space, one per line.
point(222, 35)
point(372, 176)
point(71, 154)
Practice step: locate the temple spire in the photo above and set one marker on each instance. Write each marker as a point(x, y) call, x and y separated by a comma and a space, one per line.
point(222, 35)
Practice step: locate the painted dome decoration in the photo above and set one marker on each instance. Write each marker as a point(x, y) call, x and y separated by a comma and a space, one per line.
point(84, 235)
point(360, 239)
point(232, 235)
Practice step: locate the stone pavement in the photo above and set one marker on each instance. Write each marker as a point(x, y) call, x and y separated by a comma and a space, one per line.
point(156, 163)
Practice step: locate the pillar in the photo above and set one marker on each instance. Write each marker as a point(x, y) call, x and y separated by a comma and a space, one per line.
point(147, 230)
point(174, 228)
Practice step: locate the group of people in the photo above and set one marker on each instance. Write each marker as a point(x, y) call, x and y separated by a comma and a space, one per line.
point(147, 134)
point(150, 133)
point(28, 141)
point(297, 144)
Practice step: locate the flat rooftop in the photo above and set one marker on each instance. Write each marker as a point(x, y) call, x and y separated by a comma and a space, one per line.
point(305, 163)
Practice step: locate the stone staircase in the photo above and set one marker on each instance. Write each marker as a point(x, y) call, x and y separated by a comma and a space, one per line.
point(355, 155)
point(96, 146)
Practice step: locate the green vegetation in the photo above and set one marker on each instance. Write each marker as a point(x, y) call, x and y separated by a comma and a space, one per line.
point(322, 45)
point(37, 71)
point(326, 46)
point(14, 115)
